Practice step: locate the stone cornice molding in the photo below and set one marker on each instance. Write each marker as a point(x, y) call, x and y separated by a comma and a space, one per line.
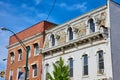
point(25, 40)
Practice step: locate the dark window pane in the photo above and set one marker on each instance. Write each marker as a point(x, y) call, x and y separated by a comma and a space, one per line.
point(101, 61)
point(70, 33)
point(53, 40)
point(92, 25)
point(35, 71)
point(71, 67)
point(85, 65)
point(36, 48)
point(11, 78)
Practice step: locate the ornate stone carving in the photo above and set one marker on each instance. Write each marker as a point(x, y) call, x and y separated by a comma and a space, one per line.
point(100, 19)
point(62, 36)
point(75, 30)
point(81, 28)
point(46, 42)
point(57, 37)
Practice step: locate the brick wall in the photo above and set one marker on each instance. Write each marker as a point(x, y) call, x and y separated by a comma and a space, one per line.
point(35, 29)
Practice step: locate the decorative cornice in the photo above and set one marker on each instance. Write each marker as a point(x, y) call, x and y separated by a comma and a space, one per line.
point(76, 19)
point(79, 40)
point(26, 40)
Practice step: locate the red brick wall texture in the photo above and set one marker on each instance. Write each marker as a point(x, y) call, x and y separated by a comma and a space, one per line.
point(33, 30)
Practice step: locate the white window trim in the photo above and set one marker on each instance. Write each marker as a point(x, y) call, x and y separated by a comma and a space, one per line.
point(10, 73)
point(98, 73)
point(12, 57)
point(83, 66)
point(33, 70)
point(19, 54)
point(35, 50)
point(19, 68)
point(67, 34)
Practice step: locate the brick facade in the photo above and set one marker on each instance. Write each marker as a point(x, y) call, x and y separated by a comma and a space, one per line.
point(30, 36)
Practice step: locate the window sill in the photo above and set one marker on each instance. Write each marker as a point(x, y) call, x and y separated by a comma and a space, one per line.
point(36, 54)
point(85, 76)
point(19, 60)
point(100, 74)
point(34, 76)
point(71, 78)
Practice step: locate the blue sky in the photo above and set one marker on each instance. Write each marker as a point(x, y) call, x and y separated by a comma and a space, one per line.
point(21, 14)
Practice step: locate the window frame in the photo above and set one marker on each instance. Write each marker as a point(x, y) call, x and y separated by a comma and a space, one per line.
point(36, 49)
point(70, 33)
point(12, 57)
point(52, 40)
point(19, 69)
point(11, 74)
point(19, 54)
point(35, 70)
point(91, 25)
point(71, 67)
point(85, 64)
point(100, 61)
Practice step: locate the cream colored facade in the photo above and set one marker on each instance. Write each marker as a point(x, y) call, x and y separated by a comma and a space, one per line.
point(85, 41)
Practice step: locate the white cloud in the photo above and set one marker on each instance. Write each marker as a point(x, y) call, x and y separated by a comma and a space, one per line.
point(81, 7)
point(4, 4)
point(25, 6)
point(37, 2)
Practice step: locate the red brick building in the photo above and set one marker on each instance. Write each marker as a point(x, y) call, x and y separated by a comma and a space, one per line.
point(33, 38)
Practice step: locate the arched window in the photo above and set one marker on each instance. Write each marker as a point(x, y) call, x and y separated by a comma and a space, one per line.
point(85, 64)
point(12, 57)
point(71, 67)
point(19, 54)
point(70, 33)
point(91, 25)
point(53, 40)
point(100, 62)
point(35, 70)
point(36, 49)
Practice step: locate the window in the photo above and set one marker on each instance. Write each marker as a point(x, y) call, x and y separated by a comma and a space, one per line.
point(52, 40)
point(91, 25)
point(29, 51)
point(71, 67)
point(47, 68)
point(36, 49)
point(100, 62)
point(35, 70)
point(19, 72)
point(85, 64)
point(19, 55)
point(70, 33)
point(11, 75)
point(12, 57)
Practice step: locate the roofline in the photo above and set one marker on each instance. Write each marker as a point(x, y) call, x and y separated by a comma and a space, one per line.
point(33, 25)
point(81, 16)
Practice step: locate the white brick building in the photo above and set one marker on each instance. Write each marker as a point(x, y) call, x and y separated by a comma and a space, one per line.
point(89, 44)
